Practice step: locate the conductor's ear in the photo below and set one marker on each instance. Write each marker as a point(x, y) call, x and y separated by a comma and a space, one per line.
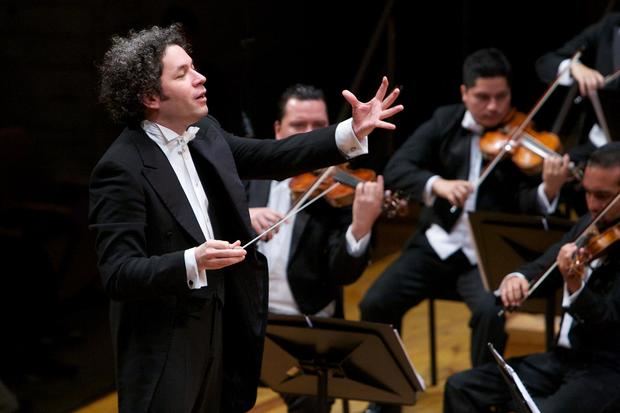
point(151, 101)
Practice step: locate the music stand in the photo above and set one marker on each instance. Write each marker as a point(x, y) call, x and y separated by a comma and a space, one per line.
point(523, 400)
point(506, 241)
point(334, 358)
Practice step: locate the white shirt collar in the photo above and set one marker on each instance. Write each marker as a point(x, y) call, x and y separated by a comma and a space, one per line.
point(470, 123)
point(164, 135)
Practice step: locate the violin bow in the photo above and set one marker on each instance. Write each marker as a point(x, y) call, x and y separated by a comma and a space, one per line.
point(607, 80)
point(291, 213)
point(513, 138)
point(300, 202)
point(537, 282)
point(596, 105)
point(600, 116)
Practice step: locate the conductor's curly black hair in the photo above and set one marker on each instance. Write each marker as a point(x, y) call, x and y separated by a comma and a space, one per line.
point(131, 69)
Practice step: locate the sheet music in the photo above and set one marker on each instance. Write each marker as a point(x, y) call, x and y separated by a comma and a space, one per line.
point(420, 378)
point(522, 389)
point(515, 379)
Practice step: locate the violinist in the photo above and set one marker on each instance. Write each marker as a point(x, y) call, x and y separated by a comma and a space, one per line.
point(582, 372)
point(321, 248)
point(600, 57)
point(438, 165)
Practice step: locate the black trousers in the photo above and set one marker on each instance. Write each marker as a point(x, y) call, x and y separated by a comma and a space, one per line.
point(558, 381)
point(419, 274)
point(193, 374)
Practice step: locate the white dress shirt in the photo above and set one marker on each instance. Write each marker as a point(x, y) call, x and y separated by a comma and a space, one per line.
point(175, 149)
point(567, 300)
point(277, 250)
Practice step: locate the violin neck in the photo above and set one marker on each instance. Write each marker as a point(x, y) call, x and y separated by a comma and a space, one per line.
point(345, 178)
point(536, 146)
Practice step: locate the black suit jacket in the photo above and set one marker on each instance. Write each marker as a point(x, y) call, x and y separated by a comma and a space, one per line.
point(143, 223)
point(596, 43)
point(319, 264)
point(441, 147)
point(596, 310)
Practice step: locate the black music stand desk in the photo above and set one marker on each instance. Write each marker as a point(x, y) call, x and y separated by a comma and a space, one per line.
point(505, 241)
point(334, 358)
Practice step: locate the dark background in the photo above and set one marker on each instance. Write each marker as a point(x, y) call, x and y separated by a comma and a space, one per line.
point(52, 129)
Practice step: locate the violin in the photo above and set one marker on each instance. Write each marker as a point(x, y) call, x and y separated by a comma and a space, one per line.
point(343, 195)
point(531, 149)
point(340, 196)
point(596, 245)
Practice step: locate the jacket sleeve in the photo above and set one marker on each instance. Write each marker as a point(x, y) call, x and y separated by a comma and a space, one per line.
point(118, 215)
point(279, 159)
point(587, 41)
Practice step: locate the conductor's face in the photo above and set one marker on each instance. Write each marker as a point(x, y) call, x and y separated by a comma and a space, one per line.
point(183, 99)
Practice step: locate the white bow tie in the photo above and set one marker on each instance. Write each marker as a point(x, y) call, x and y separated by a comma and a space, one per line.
point(187, 136)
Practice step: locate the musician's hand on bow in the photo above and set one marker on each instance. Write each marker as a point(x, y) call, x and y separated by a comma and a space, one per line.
point(369, 116)
point(571, 262)
point(456, 191)
point(264, 218)
point(589, 80)
point(513, 290)
point(215, 254)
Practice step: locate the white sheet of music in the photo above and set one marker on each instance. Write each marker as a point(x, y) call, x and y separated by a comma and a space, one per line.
point(522, 389)
point(515, 379)
point(420, 378)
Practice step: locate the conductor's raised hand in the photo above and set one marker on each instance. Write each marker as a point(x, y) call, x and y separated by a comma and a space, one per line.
point(215, 254)
point(369, 116)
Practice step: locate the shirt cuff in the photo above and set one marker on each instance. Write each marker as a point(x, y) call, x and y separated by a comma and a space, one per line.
point(195, 279)
point(597, 136)
point(347, 142)
point(566, 79)
point(545, 206)
point(356, 248)
point(428, 196)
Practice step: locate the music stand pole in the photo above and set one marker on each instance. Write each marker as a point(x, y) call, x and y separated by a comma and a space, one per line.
point(322, 375)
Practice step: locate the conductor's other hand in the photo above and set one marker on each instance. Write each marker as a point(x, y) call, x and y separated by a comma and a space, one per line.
point(215, 254)
point(369, 116)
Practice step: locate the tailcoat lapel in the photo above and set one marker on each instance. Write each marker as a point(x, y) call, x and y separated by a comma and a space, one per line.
point(159, 173)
